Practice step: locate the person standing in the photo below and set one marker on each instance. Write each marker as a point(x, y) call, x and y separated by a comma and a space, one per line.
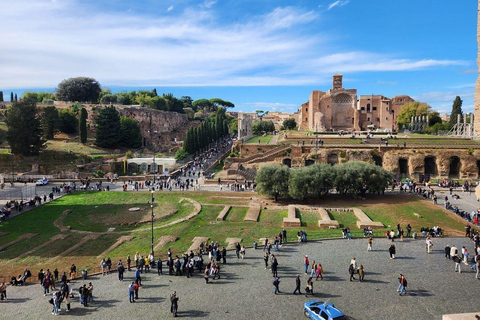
point(447, 252)
point(131, 292)
point(274, 266)
point(129, 262)
point(120, 269)
point(370, 242)
point(409, 229)
point(392, 251)
point(224, 255)
point(206, 274)
point(276, 284)
point(313, 269)
point(265, 258)
point(3, 291)
point(103, 265)
point(457, 260)
point(174, 304)
point(297, 284)
point(478, 268)
point(306, 263)
point(138, 279)
point(284, 235)
point(465, 255)
point(237, 250)
point(159, 266)
point(242, 252)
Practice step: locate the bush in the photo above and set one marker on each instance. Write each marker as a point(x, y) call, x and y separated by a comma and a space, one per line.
point(181, 154)
point(99, 174)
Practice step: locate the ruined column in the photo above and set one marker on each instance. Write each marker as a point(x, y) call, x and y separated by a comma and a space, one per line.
point(477, 85)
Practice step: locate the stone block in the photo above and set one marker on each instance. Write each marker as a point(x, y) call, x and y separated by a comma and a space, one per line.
point(292, 220)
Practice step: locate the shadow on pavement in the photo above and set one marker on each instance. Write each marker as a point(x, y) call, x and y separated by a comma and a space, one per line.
point(192, 314)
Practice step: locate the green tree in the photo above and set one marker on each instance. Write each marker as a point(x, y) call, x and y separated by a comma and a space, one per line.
point(154, 92)
point(49, 121)
point(1, 96)
point(261, 114)
point(174, 104)
point(219, 103)
point(456, 110)
point(123, 98)
point(81, 89)
point(311, 182)
point(289, 124)
point(272, 180)
point(202, 104)
point(24, 133)
point(82, 125)
point(67, 121)
point(108, 98)
point(30, 95)
point(130, 133)
point(187, 102)
point(410, 110)
point(16, 98)
point(260, 127)
point(11, 97)
point(358, 177)
point(44, 97)
point(158, 103)
point(107, 128)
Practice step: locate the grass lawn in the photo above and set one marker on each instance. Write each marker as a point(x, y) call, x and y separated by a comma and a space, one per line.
point(262, 139)
point(236, 214)
point(97, 211)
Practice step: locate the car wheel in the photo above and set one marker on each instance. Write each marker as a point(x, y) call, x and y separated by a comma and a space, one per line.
point(305, 312)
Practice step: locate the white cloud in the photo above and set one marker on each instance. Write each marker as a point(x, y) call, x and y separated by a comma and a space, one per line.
point(170, 9)
point(208, 3)
point(442, 101)
point(189, 48)
point(338, 3)
point(270, 106)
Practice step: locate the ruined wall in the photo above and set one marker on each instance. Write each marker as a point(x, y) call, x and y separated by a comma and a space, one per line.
point(160, 130)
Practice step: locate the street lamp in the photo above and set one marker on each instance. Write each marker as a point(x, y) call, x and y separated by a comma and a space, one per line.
point(153, 215)
point(154, 168)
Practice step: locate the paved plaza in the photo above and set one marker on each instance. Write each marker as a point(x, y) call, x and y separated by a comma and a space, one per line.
point(245, 290)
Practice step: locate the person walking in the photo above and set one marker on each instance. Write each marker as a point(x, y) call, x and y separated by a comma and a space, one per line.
point(3, 291)
point(306, 263)
point(206, 274)
point(370, 242)
point(297, 284)
point(103, 265)
point(242, 252)
point(361, 273)
point(284, 235)
point(351, 271)
point(276, 284)
point(274, 266)
point(402, 287)
point(138, 279)
point(319, 272)
point(131, 292)
point(392, 251)
point(465, 255)
point(174, 304)
point(224, 255)
point(314, 269)
point(429, 245)
point(265, 258)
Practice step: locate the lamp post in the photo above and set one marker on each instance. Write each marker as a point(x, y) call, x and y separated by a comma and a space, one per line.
point(154, 168)
point(153, 215)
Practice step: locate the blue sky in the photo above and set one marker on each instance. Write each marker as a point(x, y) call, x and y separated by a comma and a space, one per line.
point(265, 55)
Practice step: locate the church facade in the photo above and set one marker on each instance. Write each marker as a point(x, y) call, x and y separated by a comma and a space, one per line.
point(341, 109)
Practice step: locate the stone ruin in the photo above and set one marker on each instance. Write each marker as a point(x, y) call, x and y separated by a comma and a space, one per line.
point(245, 126)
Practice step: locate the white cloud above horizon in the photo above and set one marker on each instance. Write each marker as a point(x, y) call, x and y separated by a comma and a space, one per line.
point(338, 3)
point(181, 48)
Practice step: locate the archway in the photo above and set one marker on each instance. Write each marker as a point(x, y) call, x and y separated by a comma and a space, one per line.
point(403, 164)
point(287, 162)
point(455, 165)
point(132, 168)
point(332, 159)
point(309, 162)
point(377, 160)
point(430, 167)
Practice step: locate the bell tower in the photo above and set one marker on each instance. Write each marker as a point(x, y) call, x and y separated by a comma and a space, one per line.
point(337, 82)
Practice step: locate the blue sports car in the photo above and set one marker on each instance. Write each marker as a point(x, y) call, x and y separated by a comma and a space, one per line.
point(319, 310)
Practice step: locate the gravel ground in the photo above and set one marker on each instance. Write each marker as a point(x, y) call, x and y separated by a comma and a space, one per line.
point(245, 290)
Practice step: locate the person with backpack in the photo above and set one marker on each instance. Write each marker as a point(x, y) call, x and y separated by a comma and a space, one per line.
point(274, 266)
point(297, 284)
point(66, 293)
point(276, 283)
point(174, 303)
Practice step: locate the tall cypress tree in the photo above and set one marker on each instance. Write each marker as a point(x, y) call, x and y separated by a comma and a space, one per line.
point(1, 96)
point(456, 110)
point(82, 127)
point(16, 98)
point(11, 97)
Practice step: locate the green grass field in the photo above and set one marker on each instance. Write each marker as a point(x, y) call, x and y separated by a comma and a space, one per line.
point(262, 139)
point(98, 211)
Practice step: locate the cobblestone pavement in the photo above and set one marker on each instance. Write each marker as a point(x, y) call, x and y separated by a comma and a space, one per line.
point(245, 290)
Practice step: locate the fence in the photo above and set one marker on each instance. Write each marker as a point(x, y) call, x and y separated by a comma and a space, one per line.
point(19, 193)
